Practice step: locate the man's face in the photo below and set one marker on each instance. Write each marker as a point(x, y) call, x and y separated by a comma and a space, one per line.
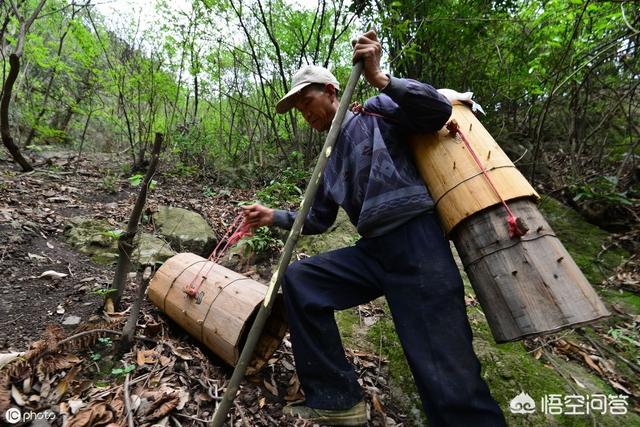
point(318, 107)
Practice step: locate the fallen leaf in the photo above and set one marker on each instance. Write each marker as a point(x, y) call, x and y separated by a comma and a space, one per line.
point(108, 306)
point(288, 366)
point(17, 396)
point(578, 382)
point(620, 387)
point(184, 398)
point(181, 353)
point(36, 257)
point(6, 358)
point(50, 274)
point(146, 357)
point(272, 389)
point(165, 403)
point(91, 416)
point(56, 362)
point(293, 391)
point(75, 405)
point(591, 363)
point(377, 405)
point(63, 385)
point(117, 405)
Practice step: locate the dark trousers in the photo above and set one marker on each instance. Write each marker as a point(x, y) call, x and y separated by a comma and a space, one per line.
point(413, 268)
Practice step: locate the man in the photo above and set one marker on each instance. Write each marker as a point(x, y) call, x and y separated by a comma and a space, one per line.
point(402, 254)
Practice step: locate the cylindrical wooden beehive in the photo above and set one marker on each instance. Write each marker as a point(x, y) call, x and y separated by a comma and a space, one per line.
point(455, 182)
point(221, 313)
point(526, 285)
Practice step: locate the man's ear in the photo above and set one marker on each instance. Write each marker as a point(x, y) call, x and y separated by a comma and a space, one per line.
point(330, 89)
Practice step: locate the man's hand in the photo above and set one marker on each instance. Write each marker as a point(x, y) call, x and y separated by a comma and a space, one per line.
point(368, 49)
point(257, 215)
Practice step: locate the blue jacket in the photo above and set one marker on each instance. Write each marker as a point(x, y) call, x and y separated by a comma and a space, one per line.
point(371, 172)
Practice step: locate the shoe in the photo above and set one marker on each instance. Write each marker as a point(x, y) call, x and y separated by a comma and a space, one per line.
point(354, 416)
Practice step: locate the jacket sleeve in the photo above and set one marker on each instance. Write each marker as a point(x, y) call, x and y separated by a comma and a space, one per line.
point(321, 216)
point(417, 107)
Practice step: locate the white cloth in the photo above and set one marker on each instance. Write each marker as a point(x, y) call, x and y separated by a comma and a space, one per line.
point(456, 97)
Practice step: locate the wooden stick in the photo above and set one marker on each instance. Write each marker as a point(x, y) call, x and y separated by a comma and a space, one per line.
point(127, 402)
point(125, 242)
point(129, 329)
point(265, 309)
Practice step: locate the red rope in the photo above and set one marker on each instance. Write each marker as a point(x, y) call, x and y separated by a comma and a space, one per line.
point(516, 226)
point(236, 231)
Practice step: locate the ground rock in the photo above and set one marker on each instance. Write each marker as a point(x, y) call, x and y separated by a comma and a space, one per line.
point(98, 239)
point(150, 250)
point(93, 237)
point(187, 231)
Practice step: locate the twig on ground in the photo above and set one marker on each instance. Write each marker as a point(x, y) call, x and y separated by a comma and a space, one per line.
point(12, 320)
point(127, 401)
point(190, 417)
point(631, 365)
point(241, 411)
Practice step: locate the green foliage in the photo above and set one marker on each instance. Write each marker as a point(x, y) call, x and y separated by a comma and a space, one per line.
point(136, 180)
point(122, 372)
point(183, 170)
point(109, 182)
point(601, 189)
point(208, 191)
point(261, 242)
point(106, 341)
point(104, 292)
point(113, 234)
point(283, 192)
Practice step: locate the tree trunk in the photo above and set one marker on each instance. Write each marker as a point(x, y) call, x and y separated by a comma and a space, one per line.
point(52, 76)
point(125, 242)
point(7, 140)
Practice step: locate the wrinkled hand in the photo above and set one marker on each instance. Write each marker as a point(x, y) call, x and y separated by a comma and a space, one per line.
point(368, 48)
point(257, 215)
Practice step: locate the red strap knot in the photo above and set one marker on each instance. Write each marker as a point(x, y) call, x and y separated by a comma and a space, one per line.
point(236, 231)
point(515, 225)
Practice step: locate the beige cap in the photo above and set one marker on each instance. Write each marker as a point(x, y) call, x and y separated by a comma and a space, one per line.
point(305, 76)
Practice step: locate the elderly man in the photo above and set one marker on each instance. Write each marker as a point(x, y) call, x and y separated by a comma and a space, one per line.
point(403, 254)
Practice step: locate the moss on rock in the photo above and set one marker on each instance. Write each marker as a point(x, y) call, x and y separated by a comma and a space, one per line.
point(583, 240)
point(93, 237)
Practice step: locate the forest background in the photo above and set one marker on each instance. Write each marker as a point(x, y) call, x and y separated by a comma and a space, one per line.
point(558, 79)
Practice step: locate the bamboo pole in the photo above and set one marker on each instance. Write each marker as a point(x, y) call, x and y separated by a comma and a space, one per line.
point(274, 285)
